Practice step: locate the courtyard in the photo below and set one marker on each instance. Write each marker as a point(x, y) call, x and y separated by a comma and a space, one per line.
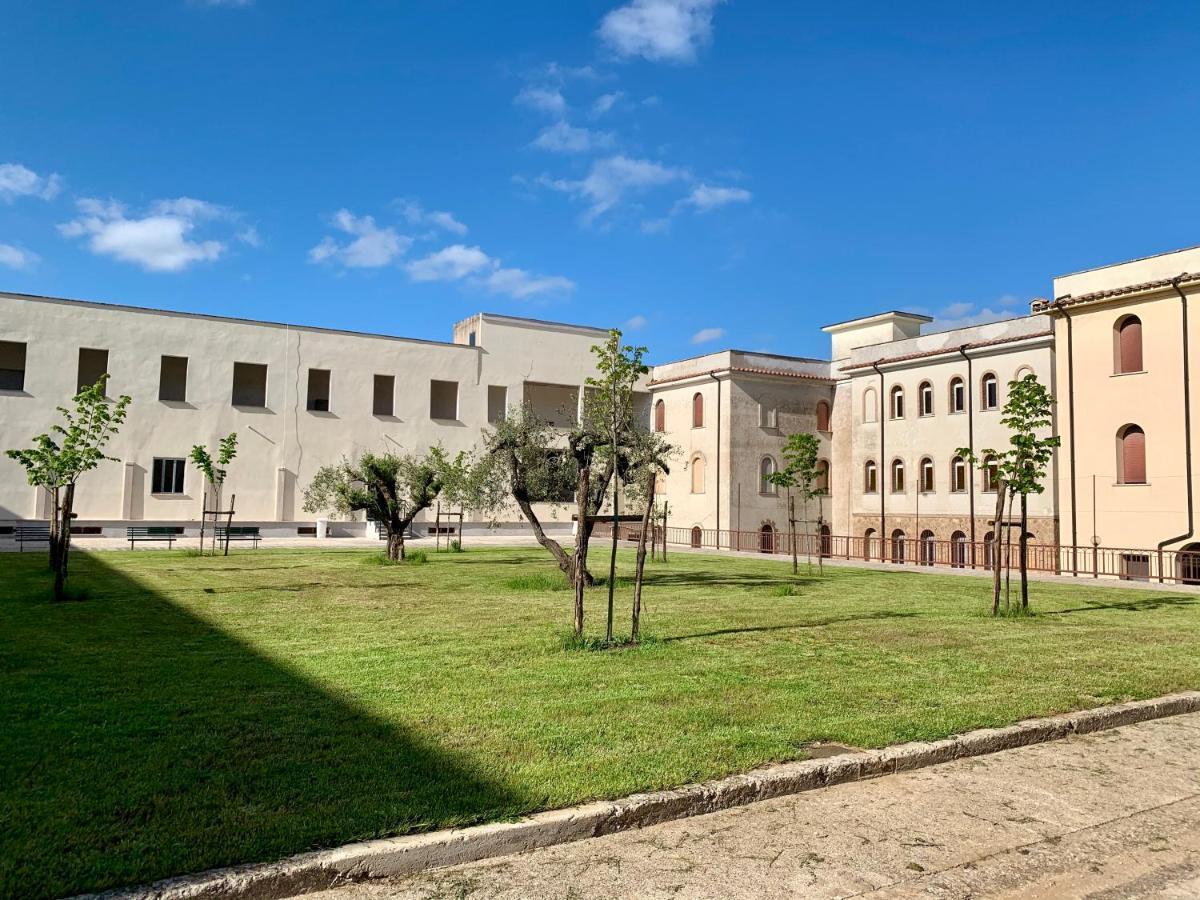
point(195, 712)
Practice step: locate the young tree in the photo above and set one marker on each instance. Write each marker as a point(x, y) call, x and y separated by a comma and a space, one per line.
point(800, 472)
point(60, 456)
point(392, 488)
point(649, 456)
point(1021, 469)
point(215, 472)
point(610, 412)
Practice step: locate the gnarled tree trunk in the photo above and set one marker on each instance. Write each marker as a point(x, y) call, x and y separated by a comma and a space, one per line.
point(997, 539)
point(635, 625)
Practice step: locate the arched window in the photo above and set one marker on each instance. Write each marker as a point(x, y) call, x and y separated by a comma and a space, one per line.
point(697, 474)
point(989, 391)
point(822, 416)
point(898, 546)
point(870, 405)
point(766, 468)
point(988, 549)
point(897, 402)
point(766, 538)
point(1127, 345)
point(927, 482)
point(826, 541)
point(928, 548)
point(958, 395)
point(870, 477)
point(958, 550)
point(925, 392)
point(821, 483)
point(660, 416)
point(697, 536)
point(869, 544)
point(958, 475)
point(1131, 455)
point(897, 476)
point(697, 410)
point(1022, 373)
point(991, 475)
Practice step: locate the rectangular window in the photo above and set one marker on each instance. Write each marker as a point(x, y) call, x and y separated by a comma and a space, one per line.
point(443, 400)
point(927, 477)
point(497, 402)
point(172, 379)
point(959, 477)
point(250, 385)
point(167, 476)
point(926, 400)
point(383, 402)
point(768, 416)
point(991, 478)
point(318, 390)
point(93, 365)
point(1135, 567)
point(12, 366)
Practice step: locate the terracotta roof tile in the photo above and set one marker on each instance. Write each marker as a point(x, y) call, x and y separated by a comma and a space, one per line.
point(1068, 300)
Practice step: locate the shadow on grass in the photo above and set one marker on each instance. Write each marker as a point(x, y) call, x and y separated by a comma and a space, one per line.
point(790, 627)
point(139, 741)
point(1146, 604)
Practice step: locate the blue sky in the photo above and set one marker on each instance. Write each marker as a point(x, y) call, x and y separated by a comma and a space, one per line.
point(709, 173)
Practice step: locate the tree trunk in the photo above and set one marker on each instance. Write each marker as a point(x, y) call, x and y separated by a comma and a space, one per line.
point(821, 537)
point(807, 545)
point(565, 563)
point(612, 561)
point(647, 522)
point(582, 500)
point(1024, 554)
point(1008, 557)
point(60, 539)
point(395, 545)
point(792, 524)
point(997, 538)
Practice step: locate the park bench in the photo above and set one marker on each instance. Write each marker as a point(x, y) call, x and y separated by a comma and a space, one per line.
point(140, 533)
point(238, 533)
point(31, 534)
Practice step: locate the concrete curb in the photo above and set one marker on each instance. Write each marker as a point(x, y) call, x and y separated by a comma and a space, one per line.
point(415, 853)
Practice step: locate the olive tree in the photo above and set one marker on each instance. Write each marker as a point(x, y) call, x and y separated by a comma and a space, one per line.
point(800, 472)
point(60, 456)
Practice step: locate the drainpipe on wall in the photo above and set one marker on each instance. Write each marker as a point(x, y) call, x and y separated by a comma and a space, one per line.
point(971, 445)
point(714, 377)
point(881, 472)
point(1060, 303)
point(1187, 426)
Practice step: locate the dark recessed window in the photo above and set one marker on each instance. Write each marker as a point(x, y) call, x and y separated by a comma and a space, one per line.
point(12, 366)
point(249, 384)
point(93, 365)
point(172, 379)
point(167, 476)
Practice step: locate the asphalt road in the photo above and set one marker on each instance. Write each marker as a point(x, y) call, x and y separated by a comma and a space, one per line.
point(1109, 815)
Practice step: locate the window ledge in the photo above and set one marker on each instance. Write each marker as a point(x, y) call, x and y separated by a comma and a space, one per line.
point(1123, 374)
point(1131, 484)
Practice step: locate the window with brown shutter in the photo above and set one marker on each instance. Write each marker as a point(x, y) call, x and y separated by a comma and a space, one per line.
point(660, 416)
point(697, 410)
point(1131, 444)
point(1129, 345)
point(822, 416)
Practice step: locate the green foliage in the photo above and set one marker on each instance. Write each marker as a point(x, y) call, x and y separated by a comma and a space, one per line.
point(59, 456)
point(390, 487)
point(416, 558)
point(523, 457)
point(456, 546)
point(537, 581)
point(1027, 415)
point(215, 471)
point(800, 470)
point(608, 409)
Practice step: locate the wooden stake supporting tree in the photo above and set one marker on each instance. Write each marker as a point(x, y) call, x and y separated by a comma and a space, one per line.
point(214, 475)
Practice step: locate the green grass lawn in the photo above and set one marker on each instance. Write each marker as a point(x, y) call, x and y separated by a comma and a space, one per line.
point(198, 712)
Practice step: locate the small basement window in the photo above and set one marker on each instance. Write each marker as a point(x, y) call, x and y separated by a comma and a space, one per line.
point(383, 399)
point(318, 390)
point(167, 476)
point(172, 379)
point(12, 366)
point(249, 384)
point(443, 400)
point(93, 365)
point(497, 402)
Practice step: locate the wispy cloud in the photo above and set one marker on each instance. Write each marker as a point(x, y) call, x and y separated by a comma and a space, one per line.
point(708, 335)
point(964, 314)
point(605, 102)
point(549, 100)
point(161, 238)
point(659, 30)
point(459, 262)
point(564, 138)
point(370, 247)
point(415, 214)
point(613, 179)
point(636, 323)
point(17, 257)
point(18, 181)
point(705, 198)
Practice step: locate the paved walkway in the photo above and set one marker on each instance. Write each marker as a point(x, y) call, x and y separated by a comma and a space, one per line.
point(1109, 815)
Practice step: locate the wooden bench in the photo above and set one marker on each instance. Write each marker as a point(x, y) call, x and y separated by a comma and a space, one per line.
point(31, 534)
point(151, 533)
point(238, 533)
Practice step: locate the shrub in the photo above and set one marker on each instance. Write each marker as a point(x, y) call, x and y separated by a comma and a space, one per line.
point(456, 547)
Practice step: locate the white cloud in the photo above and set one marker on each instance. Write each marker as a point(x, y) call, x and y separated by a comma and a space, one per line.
point(636, 323)
point(705, 198)
point(18, 181)
point(458, 262)
point(371, 248)
point(659, 30)
point(414, 213)
point(160, 240)
point(564, 138)
point(605, 102)
point(448, 264)
point(612, 180)
point(964, 314)
point(17, 258)
point(543, 99)
point(705, 335)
